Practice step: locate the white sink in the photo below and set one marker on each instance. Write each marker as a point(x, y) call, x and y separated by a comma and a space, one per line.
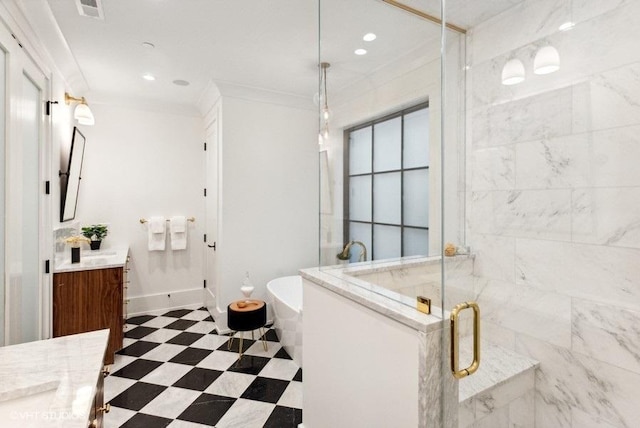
point(98, 254)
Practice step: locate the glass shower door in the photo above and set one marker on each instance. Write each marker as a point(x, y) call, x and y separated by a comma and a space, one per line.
point(395, 151)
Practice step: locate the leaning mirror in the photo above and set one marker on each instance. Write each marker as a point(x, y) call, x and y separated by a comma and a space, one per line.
point(70, 180)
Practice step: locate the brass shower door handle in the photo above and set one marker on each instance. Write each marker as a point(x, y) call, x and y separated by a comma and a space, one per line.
point(455, 340)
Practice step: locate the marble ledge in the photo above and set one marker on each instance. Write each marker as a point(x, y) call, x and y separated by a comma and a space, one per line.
point(89, 260)
point(51, 383)
point(386, 302)
point(365, 268)
point(497, 367)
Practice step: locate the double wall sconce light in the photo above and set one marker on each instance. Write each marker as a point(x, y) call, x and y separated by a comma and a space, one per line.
point(547, 60)
point(82, 112)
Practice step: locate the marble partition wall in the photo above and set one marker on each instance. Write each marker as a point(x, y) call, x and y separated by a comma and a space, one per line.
point(553, 203)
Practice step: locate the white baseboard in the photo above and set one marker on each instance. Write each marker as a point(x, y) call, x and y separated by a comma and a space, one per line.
point(157, 304)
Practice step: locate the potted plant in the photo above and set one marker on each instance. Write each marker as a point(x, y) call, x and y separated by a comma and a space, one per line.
point(95, 233)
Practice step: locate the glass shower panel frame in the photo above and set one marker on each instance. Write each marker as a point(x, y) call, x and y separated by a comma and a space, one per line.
point(3, 84)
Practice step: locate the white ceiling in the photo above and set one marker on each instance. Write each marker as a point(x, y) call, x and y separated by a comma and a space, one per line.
point(268, 44)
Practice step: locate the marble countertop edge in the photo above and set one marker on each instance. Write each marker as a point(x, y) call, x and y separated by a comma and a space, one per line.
point(68, 366)
point(105, 258)
point(362, 293)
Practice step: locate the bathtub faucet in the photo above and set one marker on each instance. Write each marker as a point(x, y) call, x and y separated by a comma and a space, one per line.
point(344, 255)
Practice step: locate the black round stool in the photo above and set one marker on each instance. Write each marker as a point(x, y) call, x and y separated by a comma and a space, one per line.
point(246, 315)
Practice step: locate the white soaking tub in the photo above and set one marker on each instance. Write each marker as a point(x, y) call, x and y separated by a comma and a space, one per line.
point(286, 295)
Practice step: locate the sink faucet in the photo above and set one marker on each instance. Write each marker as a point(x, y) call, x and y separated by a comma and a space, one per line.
point(344, 255)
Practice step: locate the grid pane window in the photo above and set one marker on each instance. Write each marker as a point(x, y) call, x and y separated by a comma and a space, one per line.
point(387, 185)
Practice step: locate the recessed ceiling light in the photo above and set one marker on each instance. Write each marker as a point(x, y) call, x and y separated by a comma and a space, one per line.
point(148, 45)
point(148, 76)
point(360, 51)
point(181, 82)
point(369, 37)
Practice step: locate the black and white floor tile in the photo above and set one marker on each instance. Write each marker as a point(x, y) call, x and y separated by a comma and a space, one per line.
point(176, 371)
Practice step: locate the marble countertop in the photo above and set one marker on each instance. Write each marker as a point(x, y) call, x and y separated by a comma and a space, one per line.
point(100, 259)
point(51, 383)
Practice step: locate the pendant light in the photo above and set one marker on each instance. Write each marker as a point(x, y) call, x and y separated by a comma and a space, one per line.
point(547, 60)
point(513, 72)
point(325, 113)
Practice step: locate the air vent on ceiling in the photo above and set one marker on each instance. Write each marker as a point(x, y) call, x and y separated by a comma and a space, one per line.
point(90, 8)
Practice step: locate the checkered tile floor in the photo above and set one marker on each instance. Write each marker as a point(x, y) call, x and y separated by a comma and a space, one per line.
point(175, 371)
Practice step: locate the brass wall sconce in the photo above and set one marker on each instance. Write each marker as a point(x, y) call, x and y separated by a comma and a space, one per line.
point(82, 112)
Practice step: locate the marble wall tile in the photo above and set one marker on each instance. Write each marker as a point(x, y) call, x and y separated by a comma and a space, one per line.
point(501, 395)
point(607, 216)
point(606, 158)
point(607, 333)
point(581, 57)
point(567, 380)
point(581, 419)
point(536, 117)
point(610, 99)
point(498, 334)
point(544, 214)
point(587, 9)
point(522, 411)
point(540, 314)
point(556, 163)
point(606, 274)
point(614, 157)
point(466, 413)
point(493, 168)
point(495, 257)
point(529, 20)
point(497, 419)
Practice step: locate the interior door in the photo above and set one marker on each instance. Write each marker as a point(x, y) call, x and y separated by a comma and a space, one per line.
point(211, 212)
point(26, 210)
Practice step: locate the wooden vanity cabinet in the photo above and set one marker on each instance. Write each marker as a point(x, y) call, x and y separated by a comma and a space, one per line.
point(90, 300)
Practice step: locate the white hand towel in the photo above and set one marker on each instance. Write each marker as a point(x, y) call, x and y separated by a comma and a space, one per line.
point(157, 233)
point(157, 224)
point(178, 229)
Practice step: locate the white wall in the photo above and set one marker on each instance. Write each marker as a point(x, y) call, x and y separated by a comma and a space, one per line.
point(361, 368)
point(554, 204)
point(139, 164)
point(268, 222)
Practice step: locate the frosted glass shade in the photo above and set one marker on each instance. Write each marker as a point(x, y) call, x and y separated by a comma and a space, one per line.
point(513, 72)
point(83, 115)
point(547, 60)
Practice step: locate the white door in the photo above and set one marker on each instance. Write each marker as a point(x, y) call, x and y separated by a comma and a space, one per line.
point(27, 213)
point(212, 171)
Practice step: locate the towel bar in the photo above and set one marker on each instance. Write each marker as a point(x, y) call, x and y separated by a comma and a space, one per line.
point(144, 220)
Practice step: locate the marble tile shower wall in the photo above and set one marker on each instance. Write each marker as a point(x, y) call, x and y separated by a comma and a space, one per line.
point(554, 203)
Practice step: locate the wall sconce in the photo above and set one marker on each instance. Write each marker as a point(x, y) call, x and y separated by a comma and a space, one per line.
point(82, 112)
point(513, 72)
point(547, 60)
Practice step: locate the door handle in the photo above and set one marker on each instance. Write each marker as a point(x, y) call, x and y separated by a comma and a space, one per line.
point(455, 340)
point(212, 246)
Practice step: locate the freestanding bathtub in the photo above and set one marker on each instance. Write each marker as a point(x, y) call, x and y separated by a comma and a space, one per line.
point(286, 295)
